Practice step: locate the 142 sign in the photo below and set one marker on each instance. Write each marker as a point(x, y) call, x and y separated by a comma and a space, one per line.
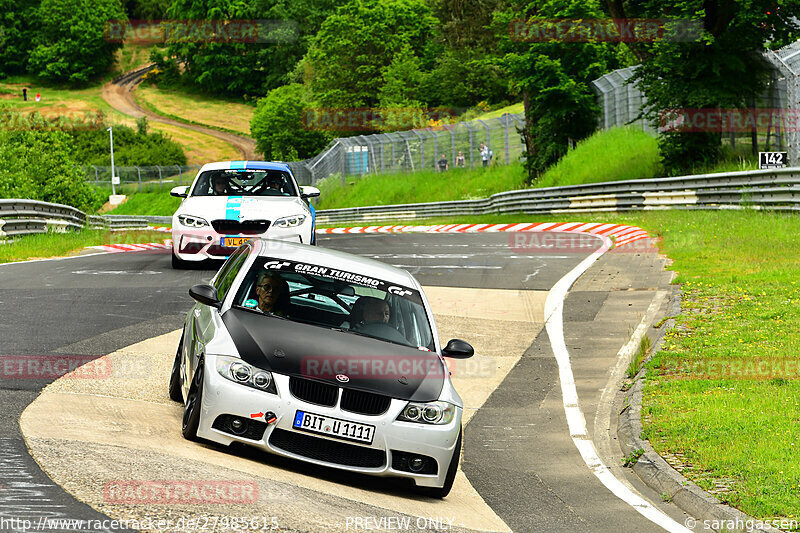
point(772, 159)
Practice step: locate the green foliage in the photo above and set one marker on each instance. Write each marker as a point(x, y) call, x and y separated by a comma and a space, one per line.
point(554, 79)
point(17, 24)
point(462, 77)
point(722, 68)
point(278, 126)
point(39, 165)
point(92, 147)
point(70, 44)
point(363, 42)
point(243, 68)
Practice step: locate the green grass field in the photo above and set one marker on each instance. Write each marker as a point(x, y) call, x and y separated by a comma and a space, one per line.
point(70, 243)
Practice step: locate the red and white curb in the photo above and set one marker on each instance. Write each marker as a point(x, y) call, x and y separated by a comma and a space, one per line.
point(621, 233)
point(163, 229)
point(115, 248)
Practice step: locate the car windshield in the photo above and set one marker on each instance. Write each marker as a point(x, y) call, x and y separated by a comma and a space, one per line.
point(334, 299)
point(239, 182)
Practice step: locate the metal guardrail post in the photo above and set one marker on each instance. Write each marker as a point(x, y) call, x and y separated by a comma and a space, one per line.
point(160, 182)
point(488, 140)
point(435, 147)
point(139, 173)
point(96, 181)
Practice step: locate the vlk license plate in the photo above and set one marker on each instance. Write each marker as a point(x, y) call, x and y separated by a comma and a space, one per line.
point(333, 427)
point(233, 242)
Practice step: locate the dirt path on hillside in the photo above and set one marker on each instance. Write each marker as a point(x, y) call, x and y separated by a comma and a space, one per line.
point(119, 95)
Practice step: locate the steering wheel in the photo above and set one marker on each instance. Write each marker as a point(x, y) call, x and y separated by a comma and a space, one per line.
point(382, 331)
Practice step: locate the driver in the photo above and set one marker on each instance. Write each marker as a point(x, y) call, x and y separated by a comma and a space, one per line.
point(376, 311)
point(219, 185)
point(272, 292)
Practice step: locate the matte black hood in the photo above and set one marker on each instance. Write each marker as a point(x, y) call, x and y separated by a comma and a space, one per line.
point(316, 353)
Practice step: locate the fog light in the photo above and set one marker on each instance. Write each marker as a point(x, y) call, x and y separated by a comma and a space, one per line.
point(416, 464)
point(238, 426)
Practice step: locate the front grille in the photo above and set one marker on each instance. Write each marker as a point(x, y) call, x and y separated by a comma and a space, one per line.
point(326, 450)
point(253, 429)
point(234, 227)
point(313, 391)
point(364, 403)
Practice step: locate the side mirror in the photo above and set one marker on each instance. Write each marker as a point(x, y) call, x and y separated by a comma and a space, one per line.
point(458, 349)
point(306, 191)
point(179, 192)
point(206, 295)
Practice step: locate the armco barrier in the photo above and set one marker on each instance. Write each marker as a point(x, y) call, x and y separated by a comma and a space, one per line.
point(26, 217)
point(761, 189)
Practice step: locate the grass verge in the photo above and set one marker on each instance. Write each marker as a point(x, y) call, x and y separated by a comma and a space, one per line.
point(158, 203)
point(217, 113)
point(425, 186)
point(722, 395)
point(70, 243)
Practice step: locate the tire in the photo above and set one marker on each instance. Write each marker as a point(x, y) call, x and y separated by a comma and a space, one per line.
point(175, 393)
point(191, 412)
point(436, 492)
point(178, 263)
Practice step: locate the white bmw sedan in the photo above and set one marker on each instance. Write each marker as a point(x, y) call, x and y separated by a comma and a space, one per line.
point(232, 201)
point(324, 357)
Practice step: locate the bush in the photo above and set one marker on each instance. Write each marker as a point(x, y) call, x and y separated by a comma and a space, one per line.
point(278, 126)
point(131, 147)
point(39, 165)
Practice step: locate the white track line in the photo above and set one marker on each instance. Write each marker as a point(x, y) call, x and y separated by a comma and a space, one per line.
point(554, 323)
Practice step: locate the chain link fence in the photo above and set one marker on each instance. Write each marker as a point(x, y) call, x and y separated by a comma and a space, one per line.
point(621, 104)
point(418, 149)
point(142, 178)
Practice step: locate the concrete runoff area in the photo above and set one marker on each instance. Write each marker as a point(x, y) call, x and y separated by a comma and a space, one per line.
point(87, 433)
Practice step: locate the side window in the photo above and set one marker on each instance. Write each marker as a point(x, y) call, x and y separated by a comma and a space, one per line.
point(229, 270)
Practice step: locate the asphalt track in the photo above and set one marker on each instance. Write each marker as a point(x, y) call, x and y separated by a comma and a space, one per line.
point(517, 453)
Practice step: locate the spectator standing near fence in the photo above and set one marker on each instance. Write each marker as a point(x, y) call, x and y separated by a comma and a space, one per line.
point(485, 154)
point(24, 94)
point(38, 97)
point(460, 161)
point(442, 163)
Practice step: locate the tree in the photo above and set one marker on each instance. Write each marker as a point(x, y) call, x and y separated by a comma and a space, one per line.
point(17, 24)
point(251, 65)
point(280, 128)
point(722, 68)
point(70, 43)
point(347, 60)
point(554, 79)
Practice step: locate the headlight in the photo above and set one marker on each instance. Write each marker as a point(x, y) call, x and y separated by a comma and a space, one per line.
point(289, 222)
point(438, 413)
point(192, 221)
point(237, 370)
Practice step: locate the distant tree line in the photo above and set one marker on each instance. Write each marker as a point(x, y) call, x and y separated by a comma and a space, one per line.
point(422, 54)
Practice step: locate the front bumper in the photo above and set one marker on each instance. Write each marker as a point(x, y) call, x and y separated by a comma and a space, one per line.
point(198, 244)
point(392, 439)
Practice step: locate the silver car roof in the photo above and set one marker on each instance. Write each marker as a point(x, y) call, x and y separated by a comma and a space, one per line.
point(334, 259)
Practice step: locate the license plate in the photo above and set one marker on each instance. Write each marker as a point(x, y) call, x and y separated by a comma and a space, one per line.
point(333, 427)
point(233, 241)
